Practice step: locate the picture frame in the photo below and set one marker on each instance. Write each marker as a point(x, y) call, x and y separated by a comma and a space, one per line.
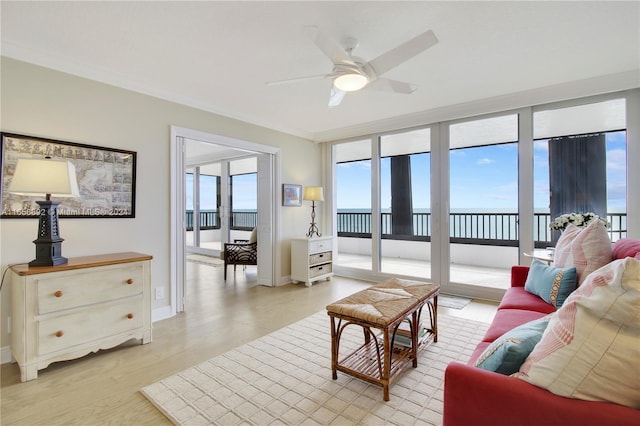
point(106, 178)
point(291, 195)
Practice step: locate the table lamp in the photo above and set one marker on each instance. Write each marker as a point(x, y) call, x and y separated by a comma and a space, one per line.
point(46, 177)
point(313, 194)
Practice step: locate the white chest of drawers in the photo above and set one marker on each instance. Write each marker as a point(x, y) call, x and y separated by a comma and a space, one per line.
point(67, 311)
point(311, 259)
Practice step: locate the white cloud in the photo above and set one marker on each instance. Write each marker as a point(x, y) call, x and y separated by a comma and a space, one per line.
point(617, 159)
point(485, 161)
point(497, 196)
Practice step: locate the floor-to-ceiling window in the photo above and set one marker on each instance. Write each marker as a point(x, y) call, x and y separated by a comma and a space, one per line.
point(405, 203)
point(353, 204)
point(202, 190)
point(383, 199)
point(483, 199)
point(215, 214)
point(502, 171)
point(243, 202)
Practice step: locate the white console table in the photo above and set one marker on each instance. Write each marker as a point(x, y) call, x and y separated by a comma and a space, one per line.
point(67, 311)
point(311, 259)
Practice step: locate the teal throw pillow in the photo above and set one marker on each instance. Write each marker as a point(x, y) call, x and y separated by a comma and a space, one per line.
point(507, 353)
point(552, 284)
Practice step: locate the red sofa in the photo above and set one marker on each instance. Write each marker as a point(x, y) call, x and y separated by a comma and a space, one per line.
point(473, 396)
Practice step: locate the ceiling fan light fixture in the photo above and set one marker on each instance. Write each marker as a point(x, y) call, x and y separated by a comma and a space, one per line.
point(350, 82)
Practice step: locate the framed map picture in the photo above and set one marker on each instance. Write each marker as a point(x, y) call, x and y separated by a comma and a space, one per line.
point(106, 178)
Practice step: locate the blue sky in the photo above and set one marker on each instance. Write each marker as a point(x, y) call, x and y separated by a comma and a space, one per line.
point(481, 178)
point(245, 192)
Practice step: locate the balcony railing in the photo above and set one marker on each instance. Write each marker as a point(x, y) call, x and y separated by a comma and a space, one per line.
point(499, 229)
point(210, 219)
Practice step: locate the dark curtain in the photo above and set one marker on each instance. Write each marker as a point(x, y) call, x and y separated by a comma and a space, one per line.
point(577, 176)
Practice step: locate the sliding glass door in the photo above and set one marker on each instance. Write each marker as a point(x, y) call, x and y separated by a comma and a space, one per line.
point(460, 202)
point(405, 203)
point(380, 234)
point(353, 205)
point(202, 189)
point(483, 217)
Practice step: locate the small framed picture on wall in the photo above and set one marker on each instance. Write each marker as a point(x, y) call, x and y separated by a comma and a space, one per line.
point(291, 195)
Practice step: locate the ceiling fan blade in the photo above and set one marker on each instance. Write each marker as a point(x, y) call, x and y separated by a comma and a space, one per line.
point(294, 80)
point(328, 47)
point(335, 97)
point(386, 84)
point(404, 52)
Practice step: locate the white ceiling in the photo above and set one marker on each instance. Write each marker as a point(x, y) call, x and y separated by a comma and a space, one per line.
point(217, 56)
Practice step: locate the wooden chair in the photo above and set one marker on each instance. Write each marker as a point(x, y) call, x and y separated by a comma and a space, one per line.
point(241, 252)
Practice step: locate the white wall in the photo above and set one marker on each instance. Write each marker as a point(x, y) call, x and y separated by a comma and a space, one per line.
point(36, 101)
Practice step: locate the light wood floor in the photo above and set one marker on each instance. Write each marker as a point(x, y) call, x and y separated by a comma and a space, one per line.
point(103, 388)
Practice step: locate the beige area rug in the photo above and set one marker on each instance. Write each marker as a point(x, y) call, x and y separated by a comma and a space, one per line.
point(205, 260)
point(284, 378)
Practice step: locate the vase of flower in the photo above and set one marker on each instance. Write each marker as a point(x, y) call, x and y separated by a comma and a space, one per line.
point(561, 222)
point(580, 220)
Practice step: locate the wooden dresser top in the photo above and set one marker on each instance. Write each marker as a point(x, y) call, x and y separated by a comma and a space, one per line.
point(82, 262)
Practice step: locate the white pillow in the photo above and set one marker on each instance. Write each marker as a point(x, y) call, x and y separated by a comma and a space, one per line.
point(586, 248)
point(591, 347)
point(254, 236)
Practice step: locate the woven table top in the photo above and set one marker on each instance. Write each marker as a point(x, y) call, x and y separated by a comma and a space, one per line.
point(384, 303)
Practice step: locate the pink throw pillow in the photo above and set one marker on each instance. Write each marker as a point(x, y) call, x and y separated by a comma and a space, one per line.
point(590, 348)
point(626, 247)
point(586, 248)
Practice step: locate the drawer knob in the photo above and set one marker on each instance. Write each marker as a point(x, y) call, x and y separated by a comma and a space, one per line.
point(130, 281)
point(59, 333)
point(58, 293)
point(129, 316)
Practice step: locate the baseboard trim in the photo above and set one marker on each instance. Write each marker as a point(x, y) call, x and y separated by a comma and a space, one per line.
point(5, 355)
point(160, 314)
point(284, 281)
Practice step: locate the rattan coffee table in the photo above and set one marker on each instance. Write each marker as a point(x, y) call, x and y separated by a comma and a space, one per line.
point(383, 307)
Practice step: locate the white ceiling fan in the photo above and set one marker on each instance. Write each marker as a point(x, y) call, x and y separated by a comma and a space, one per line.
point(351, 73)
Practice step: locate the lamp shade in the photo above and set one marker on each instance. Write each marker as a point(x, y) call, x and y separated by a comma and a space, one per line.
point(350, 82)
point(38, 177)
point(313, 193)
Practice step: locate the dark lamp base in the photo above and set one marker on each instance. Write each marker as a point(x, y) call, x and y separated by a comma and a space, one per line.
point(48, 244)
point(54, 261)
point(49, 261)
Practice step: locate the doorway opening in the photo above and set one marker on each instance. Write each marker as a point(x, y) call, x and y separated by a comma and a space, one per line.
point(267, 163)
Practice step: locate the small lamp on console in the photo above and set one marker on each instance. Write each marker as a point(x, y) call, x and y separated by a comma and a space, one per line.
point(46, 177)
point(313, 194)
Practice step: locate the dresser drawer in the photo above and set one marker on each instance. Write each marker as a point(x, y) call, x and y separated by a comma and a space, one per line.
point(61, 291)
point(319, 246)
point(314, 259)
point(107, 319)
point(316, 271)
